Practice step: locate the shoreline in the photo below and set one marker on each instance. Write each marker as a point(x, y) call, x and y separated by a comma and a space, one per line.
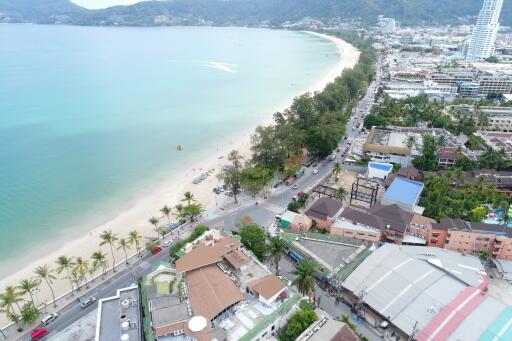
point(135, 214)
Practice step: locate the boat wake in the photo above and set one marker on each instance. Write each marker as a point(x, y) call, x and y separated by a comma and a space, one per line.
point(226, 67)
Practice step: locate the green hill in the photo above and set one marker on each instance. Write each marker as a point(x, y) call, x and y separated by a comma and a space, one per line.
point(245, 12)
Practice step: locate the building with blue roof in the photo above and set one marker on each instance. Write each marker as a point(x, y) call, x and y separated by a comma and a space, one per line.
point(379, 170)
point(405, 193)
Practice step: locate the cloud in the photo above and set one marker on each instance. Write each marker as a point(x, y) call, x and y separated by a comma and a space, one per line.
point(95, 4)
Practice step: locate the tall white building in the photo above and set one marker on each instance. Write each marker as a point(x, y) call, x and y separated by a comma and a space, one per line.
point(481, 45)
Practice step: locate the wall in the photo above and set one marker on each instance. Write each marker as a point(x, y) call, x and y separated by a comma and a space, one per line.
point(356, 234)
point(437, 238)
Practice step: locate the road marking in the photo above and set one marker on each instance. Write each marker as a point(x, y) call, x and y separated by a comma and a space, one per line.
point(269, 206)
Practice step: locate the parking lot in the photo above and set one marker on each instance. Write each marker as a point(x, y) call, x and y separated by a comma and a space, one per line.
point(330, 253)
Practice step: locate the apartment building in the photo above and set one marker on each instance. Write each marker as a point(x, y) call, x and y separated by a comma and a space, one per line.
point(472, 237)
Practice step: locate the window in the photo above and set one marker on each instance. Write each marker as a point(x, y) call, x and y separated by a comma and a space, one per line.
point(273, 327)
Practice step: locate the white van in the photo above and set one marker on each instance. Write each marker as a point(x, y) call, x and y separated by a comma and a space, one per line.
point(49, 318)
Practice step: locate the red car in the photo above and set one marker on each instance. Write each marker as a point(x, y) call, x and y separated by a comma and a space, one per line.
point(156, 250)
point(39, 333)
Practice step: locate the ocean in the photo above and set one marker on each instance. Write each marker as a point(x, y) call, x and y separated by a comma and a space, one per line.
point(91, 116)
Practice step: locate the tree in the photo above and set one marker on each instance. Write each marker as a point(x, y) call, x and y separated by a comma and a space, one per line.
point(188, 197)
point(253, 238)
point(134, 238)
point(26, 286)
point(100, 261)
point(304, 280)
point(109, 238)
point(342, 195)
point(268, 151)
point(166, 210)
point(66, 263)
point(82, 267)
point(276, 248)
point(29, 314)
point(294, 206)
point(428, 160)
point(154, 221)
point(492, 59)
point(123, 244)
point(346, 319)
point(337, 169)
point(372, 120)
point(255, 178)
point(191, 211)
point(297, 324)
point(9, 298)
point(45, 273)
point(484, 256)
point(232, 176)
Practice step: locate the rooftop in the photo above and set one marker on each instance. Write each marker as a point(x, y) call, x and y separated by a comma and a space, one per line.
point(211, 291)
point(267, 286)
point(119, 315)
point(404, 191)
point(205, 253)
point(328, 330)
point(435, 288)
point(324, 208)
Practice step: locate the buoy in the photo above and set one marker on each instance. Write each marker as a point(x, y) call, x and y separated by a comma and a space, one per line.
point(179, 147)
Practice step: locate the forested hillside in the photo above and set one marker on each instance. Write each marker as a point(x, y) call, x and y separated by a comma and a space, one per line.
point(244, 12)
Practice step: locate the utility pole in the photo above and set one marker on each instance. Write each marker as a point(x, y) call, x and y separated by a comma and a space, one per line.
point(414, 331)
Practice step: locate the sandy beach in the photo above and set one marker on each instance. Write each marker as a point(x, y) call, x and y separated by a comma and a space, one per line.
point(169, 192)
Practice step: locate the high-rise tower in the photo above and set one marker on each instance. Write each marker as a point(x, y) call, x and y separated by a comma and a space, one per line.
point(482, 41)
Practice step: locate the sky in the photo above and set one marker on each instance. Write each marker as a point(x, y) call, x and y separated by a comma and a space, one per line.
point(94, 4)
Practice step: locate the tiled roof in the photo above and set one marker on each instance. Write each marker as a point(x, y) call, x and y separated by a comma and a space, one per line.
point(324, 208)
point(204, 255)
point(267, 286)
point(211, 291)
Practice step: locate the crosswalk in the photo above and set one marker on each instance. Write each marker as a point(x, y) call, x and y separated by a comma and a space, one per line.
point(270, 206)
point(218, 225)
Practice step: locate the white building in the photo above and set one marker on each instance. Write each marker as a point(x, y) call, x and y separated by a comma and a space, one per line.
point(482, 41)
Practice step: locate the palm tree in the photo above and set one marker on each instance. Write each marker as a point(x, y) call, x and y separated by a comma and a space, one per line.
point(341, 194)
point(457, 175)
point(66, 263)
point(100, 260)
point(179, 209)
point(26, 286)
point(9, 298)
point(188, 197)
point(76, 278)
point(124, 245)
point(276, 249)
point(154, 221)
point(46, 273)
point(304, 280)
point(166, 210)
point(134, 238)
point(109, 237)
point(82, 267)
point(346, 319)
point(336, 169)
point(162, 231)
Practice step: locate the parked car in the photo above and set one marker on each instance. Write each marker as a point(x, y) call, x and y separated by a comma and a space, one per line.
point(228, 193)
point(156, 250)
point(295, 186)
point(38, 333)
point(49, 318)
point(88, 302)
point(290, 181)
point(167, 243)
point(315, 171)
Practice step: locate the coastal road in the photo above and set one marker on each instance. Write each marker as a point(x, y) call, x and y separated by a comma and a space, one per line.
point(264, 214)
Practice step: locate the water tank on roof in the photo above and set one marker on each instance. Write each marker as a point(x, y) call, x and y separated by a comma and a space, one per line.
point(125, 304)
point(125, 326)
point(125, 337)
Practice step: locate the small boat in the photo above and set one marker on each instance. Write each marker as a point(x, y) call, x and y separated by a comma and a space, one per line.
point(179, 147)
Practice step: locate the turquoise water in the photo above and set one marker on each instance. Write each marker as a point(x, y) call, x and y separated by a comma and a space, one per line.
point(90, 116)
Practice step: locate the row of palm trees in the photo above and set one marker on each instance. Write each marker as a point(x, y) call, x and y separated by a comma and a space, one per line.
point(79, 271)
